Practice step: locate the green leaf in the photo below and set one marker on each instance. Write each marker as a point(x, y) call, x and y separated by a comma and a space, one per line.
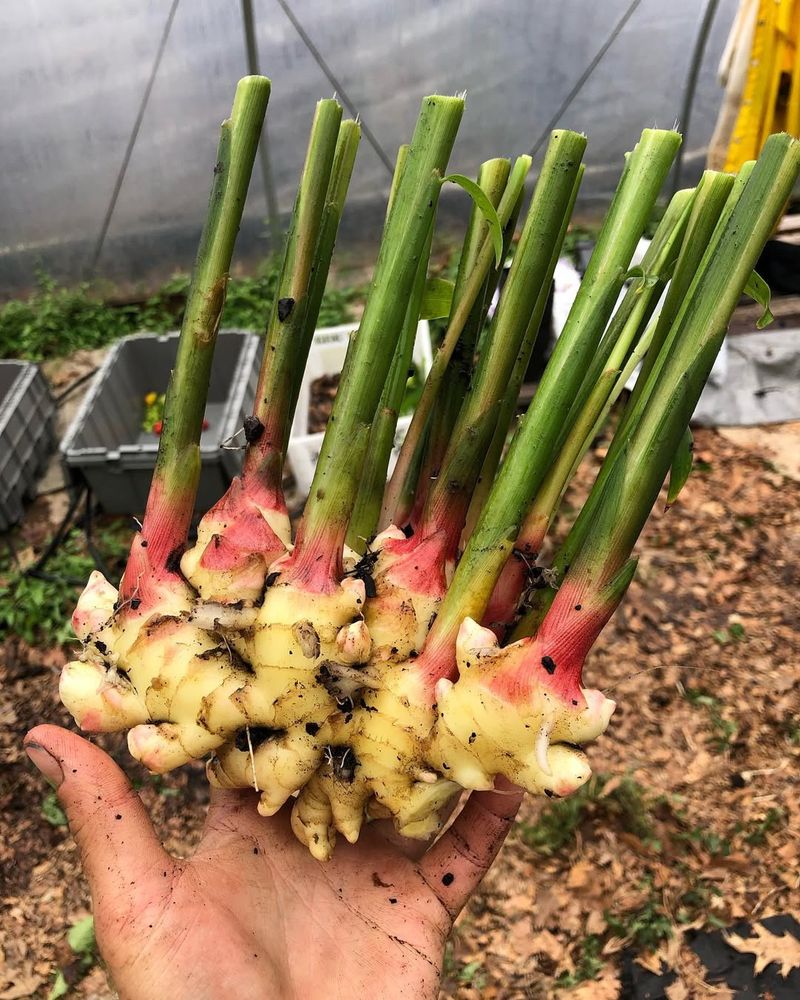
point(52, 811)
point(80, 937)
point(647, 278)
point(759, 292)
point(60, 987)
point(437, 298)
point(81, 940)
point(681, 467)
point(468, 974)
point(488, 209)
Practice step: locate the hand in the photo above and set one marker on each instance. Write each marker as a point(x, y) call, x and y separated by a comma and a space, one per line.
point(251, 915)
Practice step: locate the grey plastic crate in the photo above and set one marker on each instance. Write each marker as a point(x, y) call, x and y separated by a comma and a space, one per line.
point(105, 445)
point(27, 435)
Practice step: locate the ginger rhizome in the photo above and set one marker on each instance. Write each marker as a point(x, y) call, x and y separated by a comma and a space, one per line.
point(405, 641)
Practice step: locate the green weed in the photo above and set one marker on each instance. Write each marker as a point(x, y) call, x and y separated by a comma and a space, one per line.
point(39, 610)
point(723, 730)
point(627, 805)
point(773, 820)
point(51, 810)
point(57, 321)
point(588, 966)
point(734, 633)
point(471, 974)
point(646, 927)
point(721, 845)
point(697, 901)
point(791, 729)
point(81, 939)
point(716, 845)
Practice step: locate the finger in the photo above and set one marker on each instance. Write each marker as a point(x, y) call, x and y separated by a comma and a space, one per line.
point(228, 809)
point(106, 816)
point(227, 799)
point(384, 831)
point(411, 848)
point(458, 861)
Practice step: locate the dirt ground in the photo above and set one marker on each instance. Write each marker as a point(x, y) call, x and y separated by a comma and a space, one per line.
point(692, 823)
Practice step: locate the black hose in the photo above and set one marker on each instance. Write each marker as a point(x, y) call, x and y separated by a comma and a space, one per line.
point(81, 380)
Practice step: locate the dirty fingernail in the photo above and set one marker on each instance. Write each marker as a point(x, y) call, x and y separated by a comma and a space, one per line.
point(46, 763)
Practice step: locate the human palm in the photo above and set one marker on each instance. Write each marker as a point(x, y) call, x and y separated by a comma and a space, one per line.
point(251, 914)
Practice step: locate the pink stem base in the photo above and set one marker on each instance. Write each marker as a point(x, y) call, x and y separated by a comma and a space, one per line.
point(244, 530)
point(556, 654)
point(315, 564)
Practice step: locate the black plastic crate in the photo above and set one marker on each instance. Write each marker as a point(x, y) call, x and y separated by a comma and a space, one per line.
point(27, 435)
point(105, 445)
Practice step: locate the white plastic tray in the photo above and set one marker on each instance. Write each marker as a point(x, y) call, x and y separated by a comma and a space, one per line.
point(326, 357)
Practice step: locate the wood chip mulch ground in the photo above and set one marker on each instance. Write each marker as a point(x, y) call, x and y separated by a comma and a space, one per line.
point(691, 823)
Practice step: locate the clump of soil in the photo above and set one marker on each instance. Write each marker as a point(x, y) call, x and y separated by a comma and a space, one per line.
point(323, 393)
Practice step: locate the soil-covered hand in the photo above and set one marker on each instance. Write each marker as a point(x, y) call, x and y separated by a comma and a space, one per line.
point(251, 914)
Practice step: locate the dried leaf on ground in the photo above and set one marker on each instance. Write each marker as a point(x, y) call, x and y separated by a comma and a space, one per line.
point(782, 949)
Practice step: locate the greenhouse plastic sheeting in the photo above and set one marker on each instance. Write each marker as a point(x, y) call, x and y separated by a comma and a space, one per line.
point(74, 73)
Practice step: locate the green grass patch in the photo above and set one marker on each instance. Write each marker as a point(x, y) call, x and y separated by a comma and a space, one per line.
point(646, 927)
point(38, 611)
point(723, 730)
point(588, 966)
point(57, 321)
point(627, 806)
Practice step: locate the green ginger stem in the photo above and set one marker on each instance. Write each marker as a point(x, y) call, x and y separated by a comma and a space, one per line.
point(635, 309)
point(338, 473)
point(170, 504)
point(508, 406)
point(647, 454)
point(458, 319)
point(344, 159)
point(286, 335)
point(645, 443)
point(690, 267)
point(642, 296)
point(450, 493)
point(381, 438)
point(492, 179)
point(711, 195)
point(534, 445)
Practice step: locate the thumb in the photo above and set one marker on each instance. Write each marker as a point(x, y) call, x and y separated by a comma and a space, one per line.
point(116, 838)
point(457, 862)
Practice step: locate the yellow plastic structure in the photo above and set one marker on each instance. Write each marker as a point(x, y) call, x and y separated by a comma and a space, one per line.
point(760, 70)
